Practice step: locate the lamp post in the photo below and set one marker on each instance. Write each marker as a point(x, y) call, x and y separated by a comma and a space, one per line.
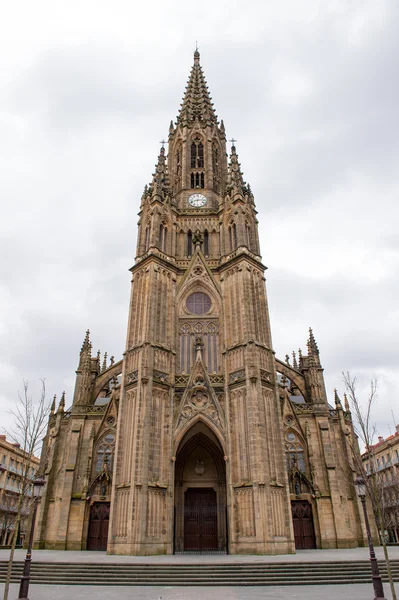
point(38, 484)
point(377, 581)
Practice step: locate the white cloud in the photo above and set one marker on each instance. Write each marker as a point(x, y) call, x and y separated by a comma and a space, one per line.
point(310, 91)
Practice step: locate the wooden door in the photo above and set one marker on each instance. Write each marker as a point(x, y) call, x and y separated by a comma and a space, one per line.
point(302, 518)
point(98, 526)
point(200, 520)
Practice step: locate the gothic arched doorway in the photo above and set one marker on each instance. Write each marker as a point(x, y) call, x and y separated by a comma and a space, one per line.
point(200, 494)
point(98, 526)
point(302, 518)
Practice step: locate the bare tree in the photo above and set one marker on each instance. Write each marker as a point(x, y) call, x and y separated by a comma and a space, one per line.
point(374, 478)
point(30, 422)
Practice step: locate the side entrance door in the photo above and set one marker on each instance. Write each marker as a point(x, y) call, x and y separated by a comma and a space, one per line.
point(98, 526)
point(302, 518)
point(200, 520)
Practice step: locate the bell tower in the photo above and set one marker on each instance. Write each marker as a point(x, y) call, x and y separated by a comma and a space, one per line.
point(199, 418)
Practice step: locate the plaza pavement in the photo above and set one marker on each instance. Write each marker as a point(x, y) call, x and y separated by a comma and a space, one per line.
point(303, 592)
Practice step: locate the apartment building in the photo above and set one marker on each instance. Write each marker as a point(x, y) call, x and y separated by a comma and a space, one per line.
point(13, 466)
point(383, 461)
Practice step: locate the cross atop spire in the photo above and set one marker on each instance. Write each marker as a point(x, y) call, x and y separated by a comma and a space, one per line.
point(197, 104)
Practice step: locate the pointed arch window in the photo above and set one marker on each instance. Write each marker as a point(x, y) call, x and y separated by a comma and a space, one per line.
point(105, 452)
point(193, 155)
point(200, 156)
point(147, 237)
point(163, 232)
point(294, 452)
point(197, 154)
point(189, 244)
point(197, 180)
point(248, 235)
point(178, 161)
point(206, 242)
point(233, 236)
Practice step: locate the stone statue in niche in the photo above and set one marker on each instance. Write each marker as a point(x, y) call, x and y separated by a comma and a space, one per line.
point(200, 467)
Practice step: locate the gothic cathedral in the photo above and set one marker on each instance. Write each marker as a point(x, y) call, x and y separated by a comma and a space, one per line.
point(199, 439)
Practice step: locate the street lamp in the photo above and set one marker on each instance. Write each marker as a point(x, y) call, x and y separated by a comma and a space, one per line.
point(38, 484)
point(360, 487)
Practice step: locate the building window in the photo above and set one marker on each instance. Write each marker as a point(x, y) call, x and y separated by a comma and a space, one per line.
point(206, 243)
point(162, 237)
point(105, 452)
point(197, 155)
point(233, 236)
point(294, 452)
point(147, 238)
point(189, 244)
point(208, 331)
point(198, 303)
point(197, 180)
point(248, 235)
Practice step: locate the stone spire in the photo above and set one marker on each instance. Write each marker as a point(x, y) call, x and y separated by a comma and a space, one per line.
point(337, 400)
point(313, 350)
point(160, 179)
point(235, 176)
point(197, 104)
point(61, 406)
point(86, 342)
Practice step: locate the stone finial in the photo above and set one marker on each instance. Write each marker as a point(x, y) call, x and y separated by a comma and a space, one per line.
point(104, 365)
point(112, 360)
point(61, 406)
point(287, 360)
point(86, 342)
point(346, 403)
point(52, 409)
point(312, 345)
point(337, 400)
point(294, 361)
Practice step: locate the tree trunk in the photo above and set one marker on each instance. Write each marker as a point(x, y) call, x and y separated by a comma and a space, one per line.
point(389, 570)
point(12, 551)
point(11, 559)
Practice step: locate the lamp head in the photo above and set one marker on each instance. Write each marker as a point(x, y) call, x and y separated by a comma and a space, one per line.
point(360, 486)
point(38, 484)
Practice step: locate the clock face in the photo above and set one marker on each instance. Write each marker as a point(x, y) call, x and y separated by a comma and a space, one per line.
point(197, 200)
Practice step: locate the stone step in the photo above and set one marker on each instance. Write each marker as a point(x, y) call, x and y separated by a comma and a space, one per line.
point(239, 574)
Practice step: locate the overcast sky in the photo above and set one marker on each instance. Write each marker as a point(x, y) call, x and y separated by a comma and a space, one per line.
point(310, 91)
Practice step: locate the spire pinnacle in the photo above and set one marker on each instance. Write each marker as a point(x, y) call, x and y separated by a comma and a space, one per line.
point(104, 366)
point(61, 406)
point(86, 342)
point(313, 350)
point(197, 104)
point(337, 400)
point(235, 175)
point(52, 409)
point(312, 345)
point(160, 179)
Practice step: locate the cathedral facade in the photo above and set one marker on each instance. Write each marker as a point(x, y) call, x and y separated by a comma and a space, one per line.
point(199, 439)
